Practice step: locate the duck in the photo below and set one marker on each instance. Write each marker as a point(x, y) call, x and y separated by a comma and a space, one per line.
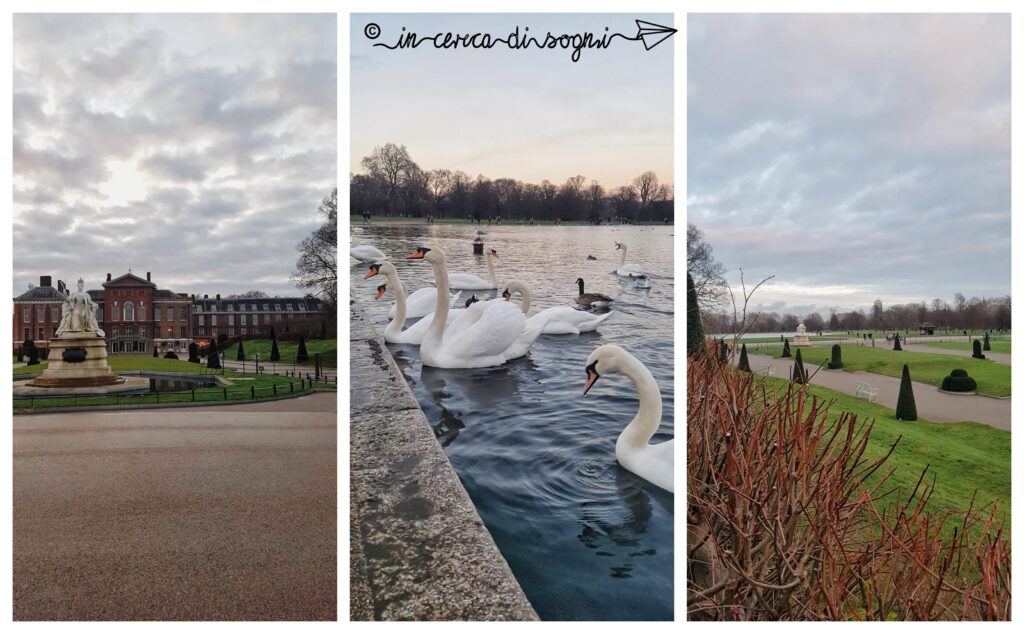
point(596, 300)
point(367, 253)
point(633, 448)
point(590, 257)
point(417, 304)
point(557, 320)
point(487, 334)
point(627, 270)
point(393, 332)
point(643, 282)
point(467, 282)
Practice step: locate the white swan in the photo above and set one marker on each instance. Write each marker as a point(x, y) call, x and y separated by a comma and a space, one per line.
point(633, 450)
point(486, 334)
point(627, 270)
point(419, 303)
point(393, 333)
point(467, 282)
point(557, 320)
point(367, 253)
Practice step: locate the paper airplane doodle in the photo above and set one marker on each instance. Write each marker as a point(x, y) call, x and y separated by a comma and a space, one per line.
point(652, 34)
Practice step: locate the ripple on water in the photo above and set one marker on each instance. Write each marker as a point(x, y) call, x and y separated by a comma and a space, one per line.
point(585, 538)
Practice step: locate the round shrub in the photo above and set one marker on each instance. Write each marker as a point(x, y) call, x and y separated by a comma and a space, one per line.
point(837, 358)
point(958, 381)
point(170, 355)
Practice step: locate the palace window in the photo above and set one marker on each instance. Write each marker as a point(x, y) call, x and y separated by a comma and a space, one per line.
point(231, 307)
point(42, 333)
point(170, 313)
point(183, 314)
point(289, 306)
point(28, 333)
point(266, 306)
point(202, 320)
point(231, 320)
point(183, 334)
point(256, 320)
point(142, 311)
point(231, 332)
point(244, 321)
point(213, 320)
point(253, 307)
point(26, 316)
point(156, 313)
point(55, 314)
point(40, 314)
point(277, 306)
point(115, 313)
point(129, 311)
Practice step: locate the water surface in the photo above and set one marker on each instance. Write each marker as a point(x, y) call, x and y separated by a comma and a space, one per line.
point(585, 538)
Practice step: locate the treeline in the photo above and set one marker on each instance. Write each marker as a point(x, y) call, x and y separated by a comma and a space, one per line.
point(394, 185)
point(963, 313)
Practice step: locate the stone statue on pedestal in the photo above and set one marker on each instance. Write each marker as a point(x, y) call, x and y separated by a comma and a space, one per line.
point(79, 314)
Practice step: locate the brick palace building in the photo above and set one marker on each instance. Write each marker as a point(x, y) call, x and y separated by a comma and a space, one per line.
point(136, 315)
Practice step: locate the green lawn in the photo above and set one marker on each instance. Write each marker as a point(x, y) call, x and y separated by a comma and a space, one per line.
point(962, 457)
point(997, 346)
point(993, 378)
point(328, 349)
point(241, 388)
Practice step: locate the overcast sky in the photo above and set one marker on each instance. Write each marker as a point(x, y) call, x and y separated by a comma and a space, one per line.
point(197, 147)
point(524, 114)
point(854, 157)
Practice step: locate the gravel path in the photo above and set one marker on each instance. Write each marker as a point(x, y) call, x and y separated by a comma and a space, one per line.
point(177, 514)
point(938, 407)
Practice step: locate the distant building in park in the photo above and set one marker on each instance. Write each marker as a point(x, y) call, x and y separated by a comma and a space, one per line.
point(136, 316)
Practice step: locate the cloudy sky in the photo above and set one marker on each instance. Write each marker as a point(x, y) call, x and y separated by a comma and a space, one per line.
point(854, 157)
point(197, 147)
point(525, 114)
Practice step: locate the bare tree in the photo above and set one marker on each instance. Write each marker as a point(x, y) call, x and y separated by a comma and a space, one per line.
point(254, 294)
point(707, 272)
point(595, 196)
point(439, 184)
point(390, 164)
point(317, 266)
point(649, 189)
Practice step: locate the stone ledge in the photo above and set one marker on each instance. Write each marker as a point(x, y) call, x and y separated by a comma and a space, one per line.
point(419, 550)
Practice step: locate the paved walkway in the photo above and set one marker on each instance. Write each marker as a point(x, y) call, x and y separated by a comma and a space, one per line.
point(216, 513)
point(997, 357)
point(938, 407)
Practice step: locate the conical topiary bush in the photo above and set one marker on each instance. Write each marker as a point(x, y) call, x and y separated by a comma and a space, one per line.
point(986, 345)
point(694, 329)
point(906, 408)
point(799, 373)
point(301, 355)
point(156, 353)
point(723, 352)
point(977, 354)
point(897, 346)
point(193, 352)
point(837, 358)
point(241, 352)
point(785, 349)
point(744, 364)
point(213, 356)
point(275, 355)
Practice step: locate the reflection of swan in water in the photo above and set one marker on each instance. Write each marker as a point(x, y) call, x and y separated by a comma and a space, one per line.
point(483, 388)
point(633, 450)
point(608, 532)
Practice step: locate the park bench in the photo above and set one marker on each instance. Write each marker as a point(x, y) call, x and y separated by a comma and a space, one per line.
point(867, 392)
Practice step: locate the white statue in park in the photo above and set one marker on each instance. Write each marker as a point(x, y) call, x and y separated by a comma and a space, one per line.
point(801, 330)
point(79, 314)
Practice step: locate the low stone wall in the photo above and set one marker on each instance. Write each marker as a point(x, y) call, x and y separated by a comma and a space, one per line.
point(418, 547)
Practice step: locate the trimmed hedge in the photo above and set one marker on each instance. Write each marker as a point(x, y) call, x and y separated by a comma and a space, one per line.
point(958, 381)
point(744, 364)
point(977, 354)
point(785, 349)
point(170, 355)
point(799, 373)
point(906, 406)
point(837, 358)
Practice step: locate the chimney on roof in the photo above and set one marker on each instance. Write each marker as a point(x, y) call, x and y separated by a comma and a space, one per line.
point(206, 297)
point(218, 296)
point(108, 277)
point(44, 280)
point(147, 276)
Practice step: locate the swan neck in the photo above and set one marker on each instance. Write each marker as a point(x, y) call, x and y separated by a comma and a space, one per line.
point(490, 269)
point(648, 417)
point(581, 287)
point(623, 260)
point(525, 292)
point(400, 308)
point(443, 297)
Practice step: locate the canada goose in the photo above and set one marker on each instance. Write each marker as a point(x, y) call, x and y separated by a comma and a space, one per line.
point(591, 299)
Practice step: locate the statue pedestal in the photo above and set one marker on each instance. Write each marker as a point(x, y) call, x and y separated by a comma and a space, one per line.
point(77, 361)
point(801, 341)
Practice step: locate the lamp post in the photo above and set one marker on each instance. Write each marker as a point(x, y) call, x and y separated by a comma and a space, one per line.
point(257, 363)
